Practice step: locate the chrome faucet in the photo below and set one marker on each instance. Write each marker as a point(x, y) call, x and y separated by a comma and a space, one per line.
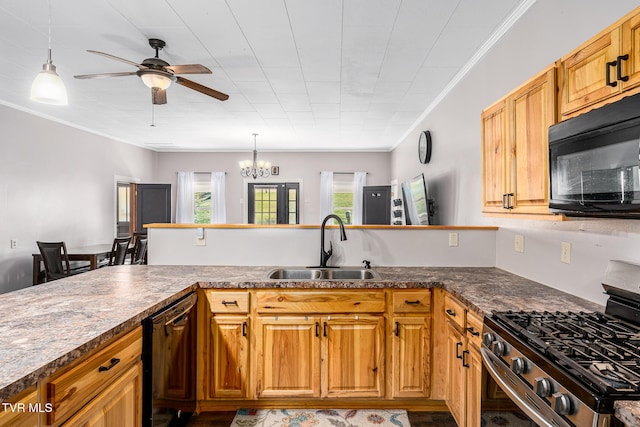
point(325, 255)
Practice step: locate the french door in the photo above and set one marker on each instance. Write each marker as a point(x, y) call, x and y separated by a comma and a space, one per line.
point(273, 203)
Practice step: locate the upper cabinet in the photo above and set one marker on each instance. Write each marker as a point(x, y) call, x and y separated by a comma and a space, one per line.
point(515, 148)
point(602, 69)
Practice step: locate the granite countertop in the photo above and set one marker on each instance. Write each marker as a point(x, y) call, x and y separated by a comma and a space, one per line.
point(45, 327)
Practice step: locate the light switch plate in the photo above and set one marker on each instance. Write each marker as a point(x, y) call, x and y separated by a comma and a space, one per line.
point(453, 239)
point(518, 244)
point(201, 242)
point(565, 252)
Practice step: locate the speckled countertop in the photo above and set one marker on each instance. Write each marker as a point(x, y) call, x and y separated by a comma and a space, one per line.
point(47, 326)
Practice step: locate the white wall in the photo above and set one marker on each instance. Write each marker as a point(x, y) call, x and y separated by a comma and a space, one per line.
point(57, 183)
point(294, 166)
point(301, 247)
point(548, 30)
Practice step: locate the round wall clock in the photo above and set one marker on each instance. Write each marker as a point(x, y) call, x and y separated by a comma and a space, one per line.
point(424, 147)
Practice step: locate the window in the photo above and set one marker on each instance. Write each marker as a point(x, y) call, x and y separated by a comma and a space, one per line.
point(123, 220)
point(343, 196)
point(273, 203)
point(203, 202)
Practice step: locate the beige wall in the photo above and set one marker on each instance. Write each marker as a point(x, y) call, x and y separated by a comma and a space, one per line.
point(303, 166)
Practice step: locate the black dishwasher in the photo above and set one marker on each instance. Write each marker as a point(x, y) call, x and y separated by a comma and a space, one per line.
point(169, 364)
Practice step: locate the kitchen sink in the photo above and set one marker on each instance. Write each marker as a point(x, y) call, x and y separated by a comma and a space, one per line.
point(297, 273)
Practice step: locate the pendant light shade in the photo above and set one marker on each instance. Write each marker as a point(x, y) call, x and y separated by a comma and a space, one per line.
point(48, 87)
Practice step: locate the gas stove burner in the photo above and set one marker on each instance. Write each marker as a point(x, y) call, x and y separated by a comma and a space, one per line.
point(611, 374)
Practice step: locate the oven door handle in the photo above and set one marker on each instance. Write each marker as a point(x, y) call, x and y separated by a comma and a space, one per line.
point(507, 387)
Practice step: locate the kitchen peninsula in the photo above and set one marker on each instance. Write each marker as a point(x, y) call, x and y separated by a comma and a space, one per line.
point(49, 326)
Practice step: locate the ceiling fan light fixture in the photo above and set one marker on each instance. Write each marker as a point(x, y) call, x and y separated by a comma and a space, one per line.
point(155, 79)
point(48, 87)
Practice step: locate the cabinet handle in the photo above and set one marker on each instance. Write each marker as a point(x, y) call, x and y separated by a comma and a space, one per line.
point(324, 328)
point(464, 359)
point(509, 201)
point(450, 312)
point(416, 302)
point(113, 362)
point(317, 329)
point(473, 332)
point(619, 67)
point(504, 201)
point(608, 73)
point(458, 355)
point(229, 302)
point(244, 329)
point(397, 329)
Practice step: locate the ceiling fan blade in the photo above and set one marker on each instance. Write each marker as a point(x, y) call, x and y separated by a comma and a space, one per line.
point(103, 75)
point(188, 69)
point(159, 96)
point(126, 61)
point(202, 89)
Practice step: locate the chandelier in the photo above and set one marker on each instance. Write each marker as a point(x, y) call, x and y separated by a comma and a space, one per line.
point(255, 168)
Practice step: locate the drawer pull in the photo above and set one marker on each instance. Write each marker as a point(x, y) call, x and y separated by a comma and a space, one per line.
point(113, 362)
point(234, 302)
point(416, 302)
point(473, 332)
point(450, 312)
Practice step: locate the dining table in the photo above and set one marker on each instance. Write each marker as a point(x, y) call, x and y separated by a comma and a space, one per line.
point(93, 254)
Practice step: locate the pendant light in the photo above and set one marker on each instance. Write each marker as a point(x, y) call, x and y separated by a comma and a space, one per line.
point(48, 87)
point(255, 168)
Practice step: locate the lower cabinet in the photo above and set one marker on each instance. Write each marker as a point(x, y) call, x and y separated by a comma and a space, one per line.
point(22, 410)
point(464, 365)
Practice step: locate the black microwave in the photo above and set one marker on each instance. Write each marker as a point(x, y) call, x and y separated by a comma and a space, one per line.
point(593, 162)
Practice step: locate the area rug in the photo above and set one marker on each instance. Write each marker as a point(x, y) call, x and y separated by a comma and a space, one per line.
point(505, 419)
point(320, 418)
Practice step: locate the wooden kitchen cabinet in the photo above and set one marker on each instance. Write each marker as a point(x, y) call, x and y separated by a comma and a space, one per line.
point(602, 69)
point(515, 160)
point(103, 388)
point(226, 344)
point(22, 410)
point(464, 364)
point(410, 348)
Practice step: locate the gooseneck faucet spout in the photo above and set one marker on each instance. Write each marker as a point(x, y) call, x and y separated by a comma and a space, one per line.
point(325, 255)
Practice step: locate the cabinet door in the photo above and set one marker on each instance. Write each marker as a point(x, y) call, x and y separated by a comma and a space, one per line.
point(631, 47)
point(456, 375)
point(353, 356)
point(531, 109)
point(229, 358)
point(410, 356)
point(22, 410)
point(288, 356)
point(584, 73)
point(119, 405)
point(473, 362)
point(494, 133)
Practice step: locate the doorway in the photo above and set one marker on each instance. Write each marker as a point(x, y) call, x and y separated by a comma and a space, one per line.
point(273, 203)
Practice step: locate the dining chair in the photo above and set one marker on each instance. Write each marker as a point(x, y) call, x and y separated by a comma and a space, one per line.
point(119, 250)
point(56, 260)
point(139, 251)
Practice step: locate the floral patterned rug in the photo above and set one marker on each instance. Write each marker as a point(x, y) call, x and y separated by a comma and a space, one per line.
point(321, 418)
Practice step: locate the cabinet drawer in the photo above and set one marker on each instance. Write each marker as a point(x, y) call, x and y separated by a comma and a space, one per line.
point(329, 301)
point(413, 301)
point(72, 389)
point(455, 311)
point(228, 302)
point(474, 329)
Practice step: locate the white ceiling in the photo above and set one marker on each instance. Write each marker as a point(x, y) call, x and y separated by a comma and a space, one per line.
point(303, 74)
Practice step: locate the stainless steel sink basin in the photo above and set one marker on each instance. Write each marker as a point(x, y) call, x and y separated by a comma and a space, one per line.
point(297, 273)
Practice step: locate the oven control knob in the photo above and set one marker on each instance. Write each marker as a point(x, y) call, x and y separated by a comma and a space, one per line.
point(542, 386)
point(561, 403)
point(487, 339)
point(499, 348)
point(519, 365)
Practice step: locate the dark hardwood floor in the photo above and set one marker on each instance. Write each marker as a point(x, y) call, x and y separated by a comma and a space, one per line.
point(417, 419)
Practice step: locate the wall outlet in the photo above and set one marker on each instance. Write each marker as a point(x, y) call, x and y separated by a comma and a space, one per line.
point(14, 244)
point(453, 239)
point(565, 252)
point(518, 244)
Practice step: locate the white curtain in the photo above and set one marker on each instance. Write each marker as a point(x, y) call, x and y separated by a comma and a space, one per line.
point(219, 211)
point(359, 181)
point(185, 203)
point(326, 194)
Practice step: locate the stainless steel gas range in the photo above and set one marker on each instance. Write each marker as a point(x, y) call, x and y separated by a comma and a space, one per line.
point(567, 369)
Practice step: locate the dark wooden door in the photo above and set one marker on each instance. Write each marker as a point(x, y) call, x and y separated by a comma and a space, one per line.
point(153, 204)
point(377, 205)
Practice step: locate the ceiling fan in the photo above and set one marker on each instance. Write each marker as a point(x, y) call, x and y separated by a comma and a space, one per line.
point(158, 74)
